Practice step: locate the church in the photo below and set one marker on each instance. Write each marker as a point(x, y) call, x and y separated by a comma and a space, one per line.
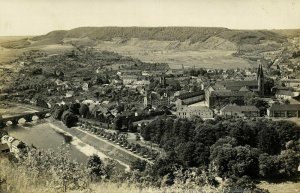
point(229, 91)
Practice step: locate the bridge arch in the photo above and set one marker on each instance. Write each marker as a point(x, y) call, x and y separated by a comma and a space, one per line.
point(35, 117)
point(22, 120)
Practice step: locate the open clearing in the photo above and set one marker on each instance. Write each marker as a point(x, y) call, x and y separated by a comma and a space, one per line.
point(191, 56)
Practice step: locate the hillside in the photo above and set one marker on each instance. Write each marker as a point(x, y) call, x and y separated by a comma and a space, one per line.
point(182, 34)
point(207, 47)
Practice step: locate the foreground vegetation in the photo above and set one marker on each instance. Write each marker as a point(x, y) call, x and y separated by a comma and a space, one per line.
point(46, 171)
point(259, 149)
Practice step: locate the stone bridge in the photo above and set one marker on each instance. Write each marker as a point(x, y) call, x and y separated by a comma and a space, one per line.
point(27, 116)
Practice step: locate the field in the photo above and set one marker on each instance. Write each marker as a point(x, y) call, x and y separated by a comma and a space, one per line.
point(176, 54)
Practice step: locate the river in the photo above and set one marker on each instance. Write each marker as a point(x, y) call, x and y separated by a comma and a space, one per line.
point(52, 134)
point(43, 136)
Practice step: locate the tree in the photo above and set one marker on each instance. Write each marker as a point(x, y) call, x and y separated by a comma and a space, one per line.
point(37, 71)
point(118, 122)
point(243, 133)
point(269, 166)
point(287, 131)
point(290, 160)
point(74, 108)
point(261, 104)
point(268, 140)
point(84, 110)
point(231, 161)
point(58, 111)
point(94, 166)
point(185, 152)
point(69, 119)
point(269, 84)
point(138, 165)
point(41, 103)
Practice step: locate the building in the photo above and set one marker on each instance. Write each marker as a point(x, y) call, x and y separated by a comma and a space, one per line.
point(129, 79)
point(220, 97)
point(15, 146)
point(284, 110)
point(85, 86)
point(189, 111)
point(155, 100)
point(240, 111)
point(286, 94)
point(295, 83)
point(189, 98)
point(223, 92)
point(69, 94)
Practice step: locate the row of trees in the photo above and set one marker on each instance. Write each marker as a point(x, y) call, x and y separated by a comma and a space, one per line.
point(121, 139)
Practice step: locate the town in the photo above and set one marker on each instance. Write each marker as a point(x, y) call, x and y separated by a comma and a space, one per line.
point(142, 115)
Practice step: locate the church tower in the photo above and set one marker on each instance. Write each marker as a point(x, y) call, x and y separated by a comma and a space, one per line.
point(260, 81)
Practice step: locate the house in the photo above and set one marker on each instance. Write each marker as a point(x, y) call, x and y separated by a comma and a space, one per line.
point(85, 86)
point(129, 79)
point(103, 114)
point(145, 73)
point(142, 82)
point(189, 111)
point(69, 94)
point(286, 94)
point(284, 110)
point(240, 111)
point(15, 146)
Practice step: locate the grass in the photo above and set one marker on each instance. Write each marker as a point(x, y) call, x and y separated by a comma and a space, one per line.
point(15, 179)
point(284, 187)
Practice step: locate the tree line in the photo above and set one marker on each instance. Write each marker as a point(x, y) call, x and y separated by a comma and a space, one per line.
point(234, 148)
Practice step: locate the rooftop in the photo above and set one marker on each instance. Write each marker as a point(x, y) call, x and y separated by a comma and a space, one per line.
point(285, 107)
point(228, 93)
point(237, 108)
point(190, 94)
point(194, 108)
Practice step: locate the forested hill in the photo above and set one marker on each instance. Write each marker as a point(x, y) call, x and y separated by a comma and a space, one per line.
point(191, 34)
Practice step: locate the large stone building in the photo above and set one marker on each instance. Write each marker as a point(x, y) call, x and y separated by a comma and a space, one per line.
point(224, 92)
point(189, 111)
point(284, 110)
point(155, 100)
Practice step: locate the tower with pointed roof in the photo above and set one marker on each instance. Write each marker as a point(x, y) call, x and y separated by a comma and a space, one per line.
point(260, 81)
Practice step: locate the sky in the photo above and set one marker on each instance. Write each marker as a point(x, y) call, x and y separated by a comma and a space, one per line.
point(36, 17)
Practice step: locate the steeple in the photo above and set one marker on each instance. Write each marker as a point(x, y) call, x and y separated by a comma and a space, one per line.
point(260, 81)
point(260, 72)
